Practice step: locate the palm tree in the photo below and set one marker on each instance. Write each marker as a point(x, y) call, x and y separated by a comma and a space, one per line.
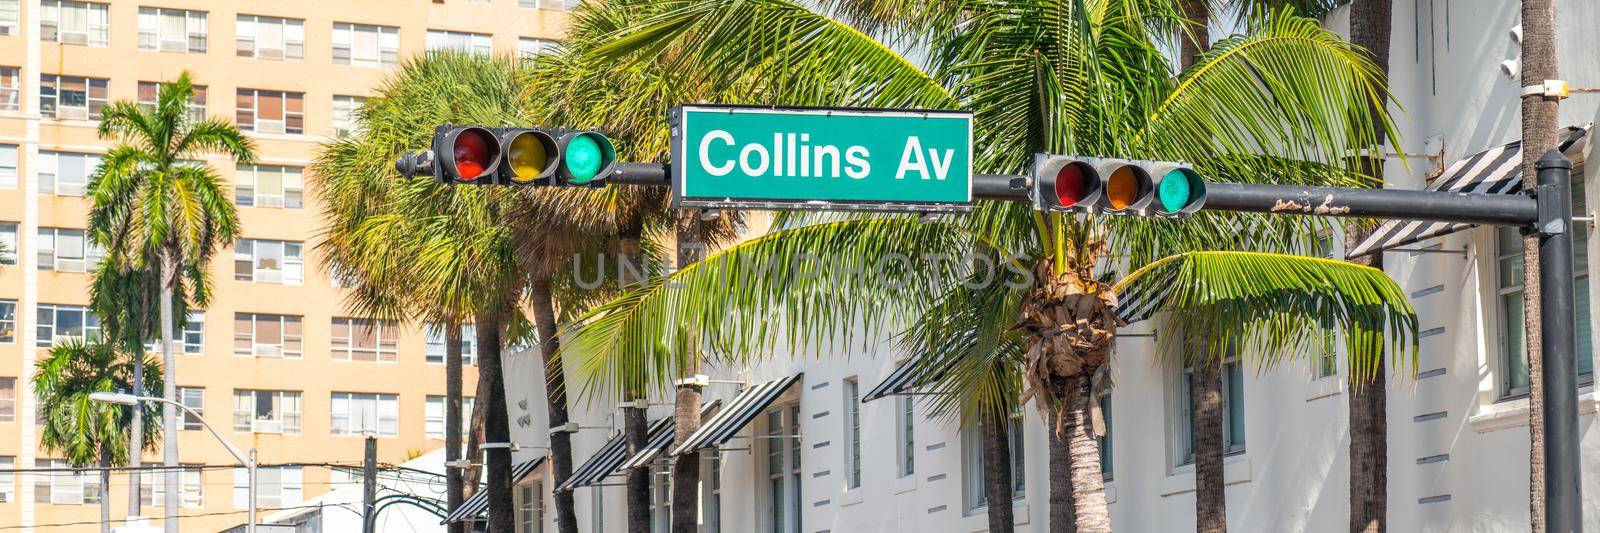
point(86, 432)
point(1369, 424)
point(1540, 116)
point(417, 249)
point(155, 209)
point(1243, 112)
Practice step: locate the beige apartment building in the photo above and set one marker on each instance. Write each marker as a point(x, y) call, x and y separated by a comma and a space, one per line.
point(276, 362)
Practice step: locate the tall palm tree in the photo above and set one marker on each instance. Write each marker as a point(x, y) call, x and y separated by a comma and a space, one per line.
point(1272, 102)
point(1540, 118)
point(417, 249)
point(1370, 24)
point(86, 432)
point(156, 209)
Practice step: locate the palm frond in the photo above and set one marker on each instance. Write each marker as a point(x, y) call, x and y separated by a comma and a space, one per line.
point(1270, 307)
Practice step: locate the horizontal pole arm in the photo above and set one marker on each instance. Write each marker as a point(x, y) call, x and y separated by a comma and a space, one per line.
point(1470, 208)
point(984, 186)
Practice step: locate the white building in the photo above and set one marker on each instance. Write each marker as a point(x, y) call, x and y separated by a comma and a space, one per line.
point(1457, 433)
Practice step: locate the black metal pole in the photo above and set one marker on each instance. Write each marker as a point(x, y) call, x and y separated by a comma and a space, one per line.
point(369, 485)
point(1563, 501)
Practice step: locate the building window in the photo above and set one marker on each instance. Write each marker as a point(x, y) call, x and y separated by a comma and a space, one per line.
point(660, 498)
point(907, 425)
point(10, 87)
point(266, 411)
point(268, 261)
point(783, 449)
point(69, 22)
point(8, 399)
point(1105, 440)
point(977, 448)
point(150, 91)
point(531, 46)
point(72, 97)
point(59, 323)
point(8, 243)
point(263, 335)
point(172, 30)
point(477, 43)
point(8, 480)
point(1232, 410)
point(852, 433)
point(67, 250)
point(271, 38)
point(191, 338)
point(8, 321)
point(362, 339)
point(276, 487)
point(530, 507)
point(1513, 337)
point(153, 491)
point(66, 173)
point(271, 111)
point(360, 414)
point(344, 115)
point(269, 186)
point(558, 5)
point(710, 494)
point(64, 485)
point(436, 344)
point(193, 398)
point(10, 17)
point(365, 45)
point(433, 415)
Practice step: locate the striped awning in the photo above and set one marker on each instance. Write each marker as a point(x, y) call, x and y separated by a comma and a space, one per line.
point(900, 381)
point(474, 508)
point(659, 438)
point(602, 463)
point(1497, 170)
point(745, 407)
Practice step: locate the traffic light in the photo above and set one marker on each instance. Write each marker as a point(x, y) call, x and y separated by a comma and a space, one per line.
point(513, 156)
point(1116, 186)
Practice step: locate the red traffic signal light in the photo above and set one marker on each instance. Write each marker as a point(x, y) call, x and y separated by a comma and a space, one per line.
point(469, 154)
point(1116, 186)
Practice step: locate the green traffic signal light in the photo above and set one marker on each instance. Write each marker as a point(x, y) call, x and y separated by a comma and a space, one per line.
point(586, 157)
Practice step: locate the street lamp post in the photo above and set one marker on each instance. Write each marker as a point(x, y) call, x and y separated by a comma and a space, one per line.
point(247, 461)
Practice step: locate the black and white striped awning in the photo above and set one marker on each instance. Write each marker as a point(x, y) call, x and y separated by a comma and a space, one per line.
point(659, 438)
point(900, 381)
point(1497, 170)
point(745, 407)
point(602, 463)
point(474, 508)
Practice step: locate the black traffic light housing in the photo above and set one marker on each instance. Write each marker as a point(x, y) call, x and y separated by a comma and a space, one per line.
point(1116, 186)
point(513, 156)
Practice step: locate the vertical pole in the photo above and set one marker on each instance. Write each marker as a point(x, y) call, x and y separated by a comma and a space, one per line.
point(1563, 504)
point(369, 484)
point(252, 475)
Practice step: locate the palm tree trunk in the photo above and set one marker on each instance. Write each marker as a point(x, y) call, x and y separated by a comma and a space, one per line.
point(634, 424)
point(136, 437)
point(452, 421)
point(686, 407)
point(169, 390)
point(1369, 425)
point(997, 474)
point(1210, 501)
point(1084, 480)
point(496, 426)
point(1539, 123)
point(634, 430)
point(555, 382)
point(105, 489)
point(472, 480)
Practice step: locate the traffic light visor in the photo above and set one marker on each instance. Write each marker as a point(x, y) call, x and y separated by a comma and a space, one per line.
point(474, 152)
point(588, 155)
point(528, 156)
point(1180, 191)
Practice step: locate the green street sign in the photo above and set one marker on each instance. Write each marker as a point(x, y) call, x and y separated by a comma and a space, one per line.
point(813, 158)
